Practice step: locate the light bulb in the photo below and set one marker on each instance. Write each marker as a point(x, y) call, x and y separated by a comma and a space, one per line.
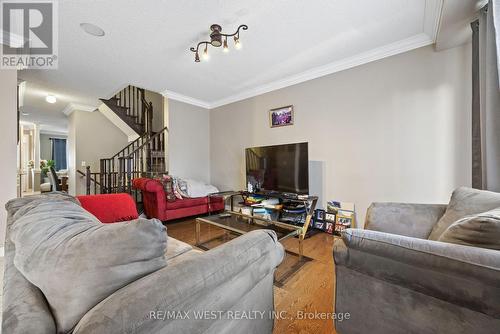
point(237, 43)
point(225, 49)
point(205, 54)
point(51, 99)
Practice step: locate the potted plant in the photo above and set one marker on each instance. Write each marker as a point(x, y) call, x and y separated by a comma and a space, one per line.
point(45, 167)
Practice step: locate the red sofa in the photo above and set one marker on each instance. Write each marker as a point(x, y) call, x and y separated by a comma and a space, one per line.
point(157, 206)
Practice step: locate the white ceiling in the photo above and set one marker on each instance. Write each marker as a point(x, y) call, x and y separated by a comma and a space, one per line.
point(288, 41)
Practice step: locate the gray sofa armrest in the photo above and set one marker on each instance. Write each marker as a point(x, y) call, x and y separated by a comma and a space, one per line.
point(463, 275)
point(213, 281)
point(412, 220)
point(25, 309)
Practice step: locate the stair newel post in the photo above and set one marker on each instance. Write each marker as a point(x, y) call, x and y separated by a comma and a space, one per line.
point(121, 174)
point(150, 118)
point(130, 109)
point(134, 107)
point(150, 157)
point(143, 109)
point(102, 176)
point(112, 174)
point(87, 180)
point(109, 176)
point(129, 174)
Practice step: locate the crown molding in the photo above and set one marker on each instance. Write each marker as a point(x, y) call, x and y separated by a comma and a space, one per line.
point(186, 99)
point(432, 18)
point(54, 133)
point(71, 107)
point(405, 45)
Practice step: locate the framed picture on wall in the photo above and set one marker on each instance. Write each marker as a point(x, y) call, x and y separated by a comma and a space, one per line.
point(281, 116)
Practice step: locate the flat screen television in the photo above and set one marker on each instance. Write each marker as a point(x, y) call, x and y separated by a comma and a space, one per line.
point(282, 168)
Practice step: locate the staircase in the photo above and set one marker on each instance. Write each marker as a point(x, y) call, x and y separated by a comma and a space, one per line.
point(145, 156)
point(131, 106)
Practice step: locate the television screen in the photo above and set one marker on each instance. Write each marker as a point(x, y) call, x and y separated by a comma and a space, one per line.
point(283, 168)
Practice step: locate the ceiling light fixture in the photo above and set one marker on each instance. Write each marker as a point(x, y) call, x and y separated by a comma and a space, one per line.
point(51, 99)
point(92, 29)
point(216, 36)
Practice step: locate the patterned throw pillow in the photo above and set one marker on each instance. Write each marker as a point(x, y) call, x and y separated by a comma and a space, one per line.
point(182, 187)
point(167, 182)
point(175, 185)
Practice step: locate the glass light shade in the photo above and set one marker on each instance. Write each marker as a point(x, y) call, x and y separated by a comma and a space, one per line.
point(51, 99)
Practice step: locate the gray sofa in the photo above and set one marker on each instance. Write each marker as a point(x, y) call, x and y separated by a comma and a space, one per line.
point(391, 279)
point(234, 277)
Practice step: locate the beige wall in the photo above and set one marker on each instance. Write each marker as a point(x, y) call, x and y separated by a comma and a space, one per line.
point(8, 129)
point(188, 142)
point(397, 129)
point(91, 137)
point(71, 145)
point(45, 147)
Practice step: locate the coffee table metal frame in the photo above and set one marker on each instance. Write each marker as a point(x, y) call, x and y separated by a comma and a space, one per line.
point(295, 230)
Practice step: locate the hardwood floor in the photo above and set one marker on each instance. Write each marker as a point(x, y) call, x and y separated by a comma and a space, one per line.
point(310, 289)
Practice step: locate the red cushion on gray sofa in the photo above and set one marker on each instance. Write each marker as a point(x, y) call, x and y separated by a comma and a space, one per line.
point(110, 208)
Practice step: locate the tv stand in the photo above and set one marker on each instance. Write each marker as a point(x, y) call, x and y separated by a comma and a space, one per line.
point(309, 203)
point(290, 195)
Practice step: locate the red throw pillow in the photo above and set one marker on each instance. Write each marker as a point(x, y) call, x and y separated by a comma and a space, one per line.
point(110, 208)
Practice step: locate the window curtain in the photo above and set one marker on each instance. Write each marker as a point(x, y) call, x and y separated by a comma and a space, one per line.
point(59, 153)
point(486, 99)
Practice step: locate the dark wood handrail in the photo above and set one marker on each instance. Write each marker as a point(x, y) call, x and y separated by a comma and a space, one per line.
point(129, 145)
point(91, 178)
point(159, 133)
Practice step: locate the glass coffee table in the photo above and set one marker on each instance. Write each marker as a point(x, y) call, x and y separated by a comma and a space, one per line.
point(240, 224)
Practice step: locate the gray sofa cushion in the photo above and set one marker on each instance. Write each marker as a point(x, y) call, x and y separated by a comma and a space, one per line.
point(76, 261)
point(175, 248)
point(462, 275)
point(465, 202)
point(15, 204)
point(411, 220)
point(481, 230)
point(235, 276)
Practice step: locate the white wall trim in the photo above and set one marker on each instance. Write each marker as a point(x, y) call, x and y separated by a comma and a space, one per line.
point(432, 18)
point(411, 43)
point(132, 137)
point(186, 99)
point(71, 107)
point(54, 133)
point(118, 122)
point(405, 45)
